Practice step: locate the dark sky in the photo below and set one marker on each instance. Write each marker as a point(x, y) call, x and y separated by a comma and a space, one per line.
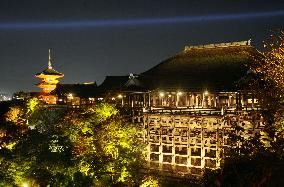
point(90, 39)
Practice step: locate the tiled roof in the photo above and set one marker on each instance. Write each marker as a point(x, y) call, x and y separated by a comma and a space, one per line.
point(49, 71)
point(80, 90)
point(214, 68)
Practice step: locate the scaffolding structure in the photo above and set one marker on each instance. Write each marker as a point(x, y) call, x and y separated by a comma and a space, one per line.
point(187, 144)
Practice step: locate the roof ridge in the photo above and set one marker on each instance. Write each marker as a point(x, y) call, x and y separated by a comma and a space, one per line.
point(219, 45)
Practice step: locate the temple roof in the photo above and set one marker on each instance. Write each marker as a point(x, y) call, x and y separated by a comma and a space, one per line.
point(113, 82)
point(215, 67)
point(121, 83)
point(79, 90)
point(49, 71)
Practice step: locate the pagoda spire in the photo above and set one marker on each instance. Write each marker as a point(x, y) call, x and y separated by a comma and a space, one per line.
point(49, 60)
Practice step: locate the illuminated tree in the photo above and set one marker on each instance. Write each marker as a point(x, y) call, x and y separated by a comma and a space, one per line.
point(33, 155)
point(269, 84)
point(106, 146)
point(13, 126)
point(32, 105)
point(150, 181)
point(76, 147)
point(258, 160)
point(14, 115)
point(270, 65)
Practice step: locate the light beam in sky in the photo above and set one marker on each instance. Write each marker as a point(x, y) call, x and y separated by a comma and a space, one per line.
point(138, 21)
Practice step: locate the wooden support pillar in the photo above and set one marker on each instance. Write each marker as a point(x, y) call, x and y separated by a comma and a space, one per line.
point(215, 100)
point(154, 100)
point(149, 100)
point(196, 100)
point(177, 99)
point(192, 103)
point(160, 153)
point(229, 98)
point(187, 99)
point(173, 157)
point(218, 148)
point(218, 101)
point(202, 151)
point(147, 139)
point(188, 146)
point(238, 101)
point(144, 100)
point(203, 100)
point(209, 102)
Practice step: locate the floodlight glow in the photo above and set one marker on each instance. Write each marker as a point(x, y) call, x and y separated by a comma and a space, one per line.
point(70, 96)
point(140, 21)
point(162, 94)
point(119, 96)
point(206, 93)
point(179, 93)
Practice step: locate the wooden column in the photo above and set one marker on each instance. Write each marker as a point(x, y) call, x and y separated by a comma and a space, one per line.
point(197, 100)
point(187, 99)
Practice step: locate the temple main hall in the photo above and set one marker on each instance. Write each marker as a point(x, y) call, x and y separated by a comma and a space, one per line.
point(186, 104)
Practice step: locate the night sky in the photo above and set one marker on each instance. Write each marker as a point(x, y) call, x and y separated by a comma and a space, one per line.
point(91, 39)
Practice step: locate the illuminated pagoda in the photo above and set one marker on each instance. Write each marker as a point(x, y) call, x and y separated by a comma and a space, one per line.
point(48, 83)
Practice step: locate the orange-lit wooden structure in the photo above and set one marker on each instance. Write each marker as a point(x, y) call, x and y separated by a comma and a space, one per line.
point(48, 82)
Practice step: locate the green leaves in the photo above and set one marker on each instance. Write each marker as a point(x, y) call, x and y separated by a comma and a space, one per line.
point(78, 147)
point(256, 160)
point(104, 111)
point(32, 105)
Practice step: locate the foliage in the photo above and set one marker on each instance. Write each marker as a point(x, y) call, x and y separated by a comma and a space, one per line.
point(13, 126)
point(14, 115)
point(99, 133)
point(32, 105)
point(258, 160)
point(268, 85)
point(104, 111)
point(270, 65)
point(150, 181)
point(93, 146)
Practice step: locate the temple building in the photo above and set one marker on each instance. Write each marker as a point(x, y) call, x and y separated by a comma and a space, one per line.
point(204, 76)
point(76, 95)
point(48, 82)
point(186, 105)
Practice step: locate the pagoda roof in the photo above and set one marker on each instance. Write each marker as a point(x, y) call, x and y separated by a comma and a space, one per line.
point(49, 71)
